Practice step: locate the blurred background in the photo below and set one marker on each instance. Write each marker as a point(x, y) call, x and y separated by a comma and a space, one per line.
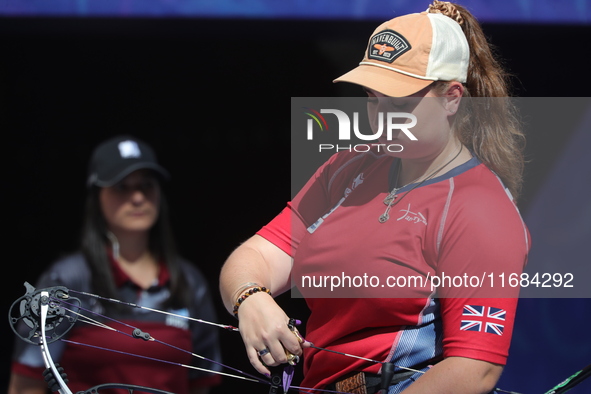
point(208, 83)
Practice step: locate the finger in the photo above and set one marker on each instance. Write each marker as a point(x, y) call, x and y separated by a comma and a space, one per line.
point(275, 356)
point(278, 340)
point(302, 342)
point(263, 352)
point(289, 339)
point(255, 361)
point(292, 343)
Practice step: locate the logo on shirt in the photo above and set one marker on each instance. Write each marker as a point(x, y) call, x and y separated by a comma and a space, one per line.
point(356, 182)
point(413, 217)
point(178, 321)
point(483, 319)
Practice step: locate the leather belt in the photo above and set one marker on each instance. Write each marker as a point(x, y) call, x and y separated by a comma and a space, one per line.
point(366, 383)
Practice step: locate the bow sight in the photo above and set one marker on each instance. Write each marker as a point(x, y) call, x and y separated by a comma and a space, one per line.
point(41, 311)
point(39, 318)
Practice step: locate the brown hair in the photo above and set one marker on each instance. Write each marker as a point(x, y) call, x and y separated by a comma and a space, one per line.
point(94, 242)
point(488, 124)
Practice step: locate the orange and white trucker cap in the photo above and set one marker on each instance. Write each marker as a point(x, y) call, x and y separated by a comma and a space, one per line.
point(408, 53)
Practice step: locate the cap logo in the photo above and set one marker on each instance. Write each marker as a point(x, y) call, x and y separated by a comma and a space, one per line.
point(129, 149)
point(386, 46)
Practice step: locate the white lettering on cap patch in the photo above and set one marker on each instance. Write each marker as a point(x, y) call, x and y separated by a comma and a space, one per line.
point(387, 45)
point(129, 149)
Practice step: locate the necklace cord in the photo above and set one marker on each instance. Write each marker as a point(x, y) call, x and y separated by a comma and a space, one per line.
point(389, 200)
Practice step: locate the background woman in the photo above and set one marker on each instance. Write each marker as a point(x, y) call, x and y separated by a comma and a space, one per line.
point(127, 253)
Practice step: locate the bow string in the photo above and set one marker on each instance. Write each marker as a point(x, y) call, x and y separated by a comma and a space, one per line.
point(50, 313)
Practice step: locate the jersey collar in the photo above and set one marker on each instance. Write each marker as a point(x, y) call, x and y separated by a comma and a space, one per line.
point(121, 278)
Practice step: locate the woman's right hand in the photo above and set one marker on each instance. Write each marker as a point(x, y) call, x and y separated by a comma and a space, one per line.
point(264, 325)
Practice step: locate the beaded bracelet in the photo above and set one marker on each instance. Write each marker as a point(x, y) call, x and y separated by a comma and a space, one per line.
point(247, 294)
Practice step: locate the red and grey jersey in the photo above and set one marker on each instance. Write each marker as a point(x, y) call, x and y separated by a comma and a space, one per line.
point(419, 287)
point(88, 366)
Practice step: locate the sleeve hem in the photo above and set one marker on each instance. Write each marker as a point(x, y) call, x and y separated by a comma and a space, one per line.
point(475, 354)
point(275, 240)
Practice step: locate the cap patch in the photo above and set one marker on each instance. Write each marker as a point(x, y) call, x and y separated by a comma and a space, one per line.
point(129, 149)
point(386, 46)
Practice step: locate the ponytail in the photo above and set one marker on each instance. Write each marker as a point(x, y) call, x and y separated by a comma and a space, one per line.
point(488, 124)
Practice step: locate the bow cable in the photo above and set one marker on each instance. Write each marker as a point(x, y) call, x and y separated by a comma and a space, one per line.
point(50, 314)
point(138, 333)
point(131, 304)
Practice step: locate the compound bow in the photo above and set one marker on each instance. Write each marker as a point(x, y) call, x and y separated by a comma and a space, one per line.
point(50, 313)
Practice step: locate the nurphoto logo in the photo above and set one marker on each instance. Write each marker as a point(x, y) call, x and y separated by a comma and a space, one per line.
point(387, 124)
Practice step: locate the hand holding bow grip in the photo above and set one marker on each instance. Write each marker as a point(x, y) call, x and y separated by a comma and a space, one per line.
point(292, 359)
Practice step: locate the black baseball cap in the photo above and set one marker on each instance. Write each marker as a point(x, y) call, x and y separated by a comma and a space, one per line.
point(118, 157)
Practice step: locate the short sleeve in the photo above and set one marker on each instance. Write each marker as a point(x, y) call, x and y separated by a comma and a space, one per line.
point(484, 243)
point(317, 197)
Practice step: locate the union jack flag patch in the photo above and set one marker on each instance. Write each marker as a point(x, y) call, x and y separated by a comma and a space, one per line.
point(483, 319)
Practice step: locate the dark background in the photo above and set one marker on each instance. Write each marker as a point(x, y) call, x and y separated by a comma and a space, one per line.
point(213, 97)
